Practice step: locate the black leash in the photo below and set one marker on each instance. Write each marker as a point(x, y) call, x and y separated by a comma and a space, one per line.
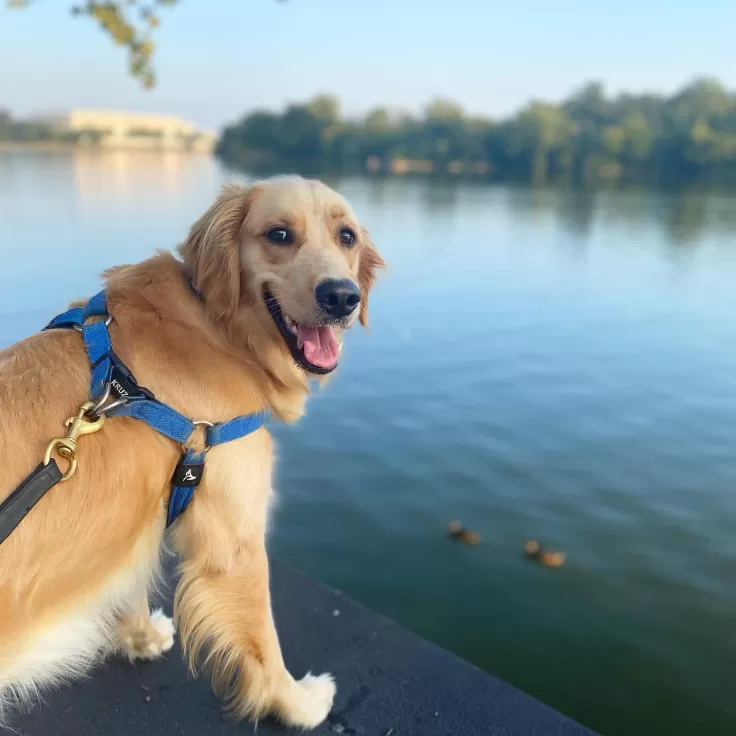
point(47, 474)
point(17, 505)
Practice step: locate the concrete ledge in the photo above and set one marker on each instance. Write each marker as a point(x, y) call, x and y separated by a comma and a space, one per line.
point(390, 682)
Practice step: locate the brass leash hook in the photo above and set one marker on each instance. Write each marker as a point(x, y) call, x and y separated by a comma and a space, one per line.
point(77, 426)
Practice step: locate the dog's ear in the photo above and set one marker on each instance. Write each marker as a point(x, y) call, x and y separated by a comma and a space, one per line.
point(370, 262)
point(211, 251)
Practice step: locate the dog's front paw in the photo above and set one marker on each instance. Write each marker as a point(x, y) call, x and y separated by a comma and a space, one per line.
point(309, 701)
point(150, 639)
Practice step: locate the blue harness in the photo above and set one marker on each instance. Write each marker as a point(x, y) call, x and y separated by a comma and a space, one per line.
point(112, 378)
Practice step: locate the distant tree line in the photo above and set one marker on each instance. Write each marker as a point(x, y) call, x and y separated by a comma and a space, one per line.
point(589, 138)
point(22, 130)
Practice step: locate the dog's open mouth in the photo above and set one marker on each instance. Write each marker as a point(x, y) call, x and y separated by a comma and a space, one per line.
point(313, 347)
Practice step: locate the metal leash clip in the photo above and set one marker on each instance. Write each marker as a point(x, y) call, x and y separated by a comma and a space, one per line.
point(77, 426)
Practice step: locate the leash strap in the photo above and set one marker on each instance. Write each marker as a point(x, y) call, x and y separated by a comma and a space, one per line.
point(32, 489)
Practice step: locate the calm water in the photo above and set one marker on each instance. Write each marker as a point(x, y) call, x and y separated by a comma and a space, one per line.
point(541, 364)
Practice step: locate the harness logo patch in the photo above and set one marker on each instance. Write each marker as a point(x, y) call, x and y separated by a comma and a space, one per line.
point(118, 388)
point(188, 475)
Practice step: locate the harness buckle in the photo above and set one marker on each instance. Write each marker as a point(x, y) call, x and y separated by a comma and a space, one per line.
point(101, 406)
point(77, 426)
point(83, 423)
point(80, 328)
point(65, 449)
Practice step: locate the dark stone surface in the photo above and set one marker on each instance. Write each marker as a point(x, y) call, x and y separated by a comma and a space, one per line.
point(389, 682)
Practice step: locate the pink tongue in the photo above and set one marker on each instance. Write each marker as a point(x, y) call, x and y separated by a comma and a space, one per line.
point(320, 345)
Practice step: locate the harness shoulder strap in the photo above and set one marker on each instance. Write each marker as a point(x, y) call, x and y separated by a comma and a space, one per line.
point(236, 428)
point(137, 402)
point(159, 416)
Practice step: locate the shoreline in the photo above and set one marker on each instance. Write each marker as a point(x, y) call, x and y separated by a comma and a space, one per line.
point(71, 146)
point(311, 168)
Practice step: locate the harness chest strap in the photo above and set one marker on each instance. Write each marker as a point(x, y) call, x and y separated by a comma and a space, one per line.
point(111, 379)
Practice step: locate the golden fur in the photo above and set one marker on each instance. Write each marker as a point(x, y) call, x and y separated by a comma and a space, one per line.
point(76, 574)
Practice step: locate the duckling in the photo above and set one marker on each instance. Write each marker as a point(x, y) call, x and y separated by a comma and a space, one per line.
point(531, 548)
point(552, 559)
point(463, 535)
point(549, 558)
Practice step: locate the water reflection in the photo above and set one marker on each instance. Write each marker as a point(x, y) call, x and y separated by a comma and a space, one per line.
point(550, 363)
point(576, 212)
point(682, 216)
point(687, 217)
point(104, 178)
point(439, 197)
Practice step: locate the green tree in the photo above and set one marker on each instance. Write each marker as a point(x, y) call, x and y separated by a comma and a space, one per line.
point(535, 138)
point(299, 134)
point(258, 128)
point(444, 110)
point(325, 108)
point(638, 136)
point(703, 99)
point(587, 139)
point(378, 120)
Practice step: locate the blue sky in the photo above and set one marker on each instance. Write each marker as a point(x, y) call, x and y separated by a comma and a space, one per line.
point(219, 58)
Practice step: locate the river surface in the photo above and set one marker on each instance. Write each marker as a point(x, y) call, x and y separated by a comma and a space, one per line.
point(541, 364)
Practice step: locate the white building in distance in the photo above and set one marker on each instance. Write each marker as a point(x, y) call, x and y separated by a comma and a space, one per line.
point(131, 130)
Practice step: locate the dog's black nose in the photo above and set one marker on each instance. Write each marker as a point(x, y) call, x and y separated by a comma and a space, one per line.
point(337, 297)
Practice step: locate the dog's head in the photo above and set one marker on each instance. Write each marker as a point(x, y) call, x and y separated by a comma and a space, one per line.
point(290, 255)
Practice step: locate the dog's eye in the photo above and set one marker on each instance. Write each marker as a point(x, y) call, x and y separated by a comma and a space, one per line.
point(347, 236)
point(280, 236)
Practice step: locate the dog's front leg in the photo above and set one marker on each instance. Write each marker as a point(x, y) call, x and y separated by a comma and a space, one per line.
point(223, 605)
point(142, 633)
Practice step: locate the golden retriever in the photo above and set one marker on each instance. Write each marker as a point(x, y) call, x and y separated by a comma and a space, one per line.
point(266, 283)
